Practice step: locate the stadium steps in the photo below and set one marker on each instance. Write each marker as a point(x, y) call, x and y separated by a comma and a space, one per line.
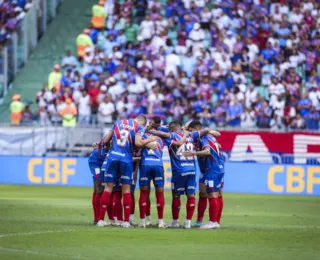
point(73, 17)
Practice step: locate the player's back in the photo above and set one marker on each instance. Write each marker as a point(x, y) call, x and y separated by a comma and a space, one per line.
point(179, 162)
point(123, 140)
point(152, 157)
point(215, 161)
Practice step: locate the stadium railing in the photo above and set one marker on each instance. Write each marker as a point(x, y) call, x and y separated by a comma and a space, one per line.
point(24, 39)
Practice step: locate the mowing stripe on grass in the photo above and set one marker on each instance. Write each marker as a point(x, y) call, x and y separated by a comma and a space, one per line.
point(40, 253)
point(37, 233)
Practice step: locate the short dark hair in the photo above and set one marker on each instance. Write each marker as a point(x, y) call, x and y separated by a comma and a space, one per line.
point(175, 123)
point(195, 124)
point(156, 120)
point(142, 119)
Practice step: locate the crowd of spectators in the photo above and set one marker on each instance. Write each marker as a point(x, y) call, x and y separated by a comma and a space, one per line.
point(11, 13)
point(231, 63)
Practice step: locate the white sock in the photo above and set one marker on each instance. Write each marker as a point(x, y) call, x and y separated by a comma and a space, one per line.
point(148, 217)
point(188, 222)
point(131, 216)
point(160, 221)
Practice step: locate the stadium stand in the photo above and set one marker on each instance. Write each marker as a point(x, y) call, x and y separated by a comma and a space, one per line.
point(231, 63)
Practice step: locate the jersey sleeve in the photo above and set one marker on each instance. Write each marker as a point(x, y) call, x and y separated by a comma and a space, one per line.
point(140, 130)
point(168, 141)
point(163, 129)
point(204, 142)
point(195, 135)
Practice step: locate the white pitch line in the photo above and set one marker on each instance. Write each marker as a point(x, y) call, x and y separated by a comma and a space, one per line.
point(37, 233)
point(41, 253)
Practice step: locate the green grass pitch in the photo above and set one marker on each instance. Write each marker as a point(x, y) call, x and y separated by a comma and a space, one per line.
point(54, 223)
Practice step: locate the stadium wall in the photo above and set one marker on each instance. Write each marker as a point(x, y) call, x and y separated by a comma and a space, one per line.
point(256, 178)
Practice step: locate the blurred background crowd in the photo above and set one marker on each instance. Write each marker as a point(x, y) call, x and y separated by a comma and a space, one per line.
point(11, 13)
point(229, 63)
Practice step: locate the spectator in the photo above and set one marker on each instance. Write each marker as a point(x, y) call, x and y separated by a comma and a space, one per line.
point(68, 114)
point(43, 116)
point(84, 108)
point(83, 42)
point(69, 61)
point(98, 15)
point(27, 116)
point(313, 119)
point(16, 109)
point(106, 110)
point(54, 77)
point(248, 118)
point(305, 105)
point(234, 113)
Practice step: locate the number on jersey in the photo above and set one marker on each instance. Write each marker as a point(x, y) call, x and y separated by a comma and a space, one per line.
point(183, 148)
point(124, 134)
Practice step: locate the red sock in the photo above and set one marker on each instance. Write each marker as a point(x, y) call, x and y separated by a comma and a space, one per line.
point(143, 203)
point(118, 205)
point(202, 206)
point(160, 204)
point(95, 216)
point(133, 204)
point(213, 209)
point(97, 203)
point(104, 202)
point(110, 208)
point(127, 206)
point(175, 208)
point(220, 208)
point(148, 207)
point(191, 205)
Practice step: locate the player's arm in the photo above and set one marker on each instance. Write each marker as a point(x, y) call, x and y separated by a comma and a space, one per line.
point(204, 152)
point(108, 138)
point(214, 133)
point(139, 142)
point(136, 168)
point(204, 132)
point(182, 140)
point(160, 133)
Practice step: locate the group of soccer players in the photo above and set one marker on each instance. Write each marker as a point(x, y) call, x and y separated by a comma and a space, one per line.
point(132, 146)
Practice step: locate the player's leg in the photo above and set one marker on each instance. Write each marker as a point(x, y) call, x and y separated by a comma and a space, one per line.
point(221, 202)
point(144, 182)
point(118, 208)
point(110, 210)
point(126, 171)
point(202, 203)
point(177, 186)
point(104, 202)
point(133, 202)
point(213, 183)
point(95, 171)
point(158, 181)
point(148, 210)
point(109, 178)
point(190, 188)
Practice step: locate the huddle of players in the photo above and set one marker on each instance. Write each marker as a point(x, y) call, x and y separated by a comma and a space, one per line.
point(115, 158)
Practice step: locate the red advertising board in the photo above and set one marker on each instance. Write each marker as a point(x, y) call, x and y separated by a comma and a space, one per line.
point(272, 142)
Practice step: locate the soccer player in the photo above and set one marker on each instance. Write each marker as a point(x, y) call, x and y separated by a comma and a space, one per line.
point(183, 172)
point(125, 136)
point(151, 168)
point(212, 170)
point(95, 162)
point(136, 163)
